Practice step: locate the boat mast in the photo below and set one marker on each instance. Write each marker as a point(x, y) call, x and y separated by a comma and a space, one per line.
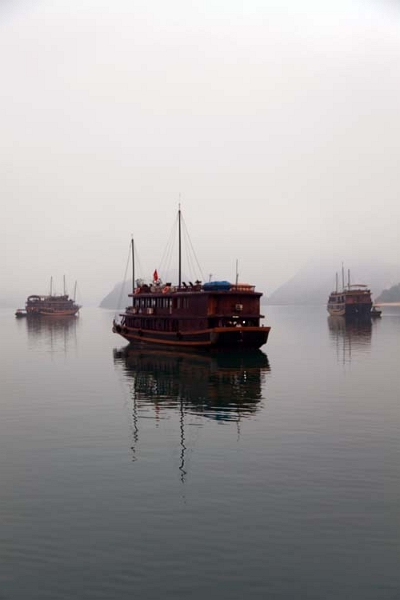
point(342, 277)
point(237, 273)
point(64, 285)
point(133, 269)
point(348, 278)
point(51, 285)
point(179, 231)
point(75, 292)
point(337, 285)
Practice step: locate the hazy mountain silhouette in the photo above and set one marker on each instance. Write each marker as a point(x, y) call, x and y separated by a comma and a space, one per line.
point(313, 283)
point(118, 297)
point(390, 295)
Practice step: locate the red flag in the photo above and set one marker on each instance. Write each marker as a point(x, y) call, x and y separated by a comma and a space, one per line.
point(155, 275)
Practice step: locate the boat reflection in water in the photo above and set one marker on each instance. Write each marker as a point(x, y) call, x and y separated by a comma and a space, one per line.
point(350, 336)
point(226, 387)
point(57, 334)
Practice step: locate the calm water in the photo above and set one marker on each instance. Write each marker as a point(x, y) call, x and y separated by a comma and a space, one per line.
point(161, 476)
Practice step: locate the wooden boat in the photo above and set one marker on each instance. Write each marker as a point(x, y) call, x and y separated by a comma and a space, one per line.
point(353, 301)
point(52, 305)
point(217, 314)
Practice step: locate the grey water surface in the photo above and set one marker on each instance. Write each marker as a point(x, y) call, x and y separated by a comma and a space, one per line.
point(159, 475)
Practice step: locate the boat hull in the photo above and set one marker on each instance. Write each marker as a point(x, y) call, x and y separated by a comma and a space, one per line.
point(218, 337)
point(61, 313)
point(351, 311)
point(336, 312)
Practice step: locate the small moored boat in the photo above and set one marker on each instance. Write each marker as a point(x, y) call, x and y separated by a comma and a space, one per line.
point(375, 312)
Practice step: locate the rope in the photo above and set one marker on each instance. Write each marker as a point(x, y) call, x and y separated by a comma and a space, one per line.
point(193, 264)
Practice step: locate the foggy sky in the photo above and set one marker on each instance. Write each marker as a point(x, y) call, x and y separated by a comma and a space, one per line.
point(277, 126)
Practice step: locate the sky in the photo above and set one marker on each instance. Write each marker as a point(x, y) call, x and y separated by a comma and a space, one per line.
point(274, 124)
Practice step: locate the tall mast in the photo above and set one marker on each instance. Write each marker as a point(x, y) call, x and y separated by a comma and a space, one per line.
point(51, 285)
point(348, 278)
point(64, 285)
point(237, 272)
point(342, 277)
point(179, 230)
point(75, 292)
point(133, 269)
point(337, 285)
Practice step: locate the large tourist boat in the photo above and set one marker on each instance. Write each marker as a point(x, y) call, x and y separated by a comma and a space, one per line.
point(353, 301)
point(52, 305)
point(217, 314)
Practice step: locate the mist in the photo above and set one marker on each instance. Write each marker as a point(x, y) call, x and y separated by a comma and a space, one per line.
point(276, 128)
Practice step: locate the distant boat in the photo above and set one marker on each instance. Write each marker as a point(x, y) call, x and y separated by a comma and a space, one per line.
point(375, 312)
point(218, 314)
point(52, 305)
point(353, 301)
point(20, 312)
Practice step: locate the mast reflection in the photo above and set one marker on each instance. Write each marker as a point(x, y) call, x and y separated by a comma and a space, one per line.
point(350, 337)
point(223, 386)
point(53, 334)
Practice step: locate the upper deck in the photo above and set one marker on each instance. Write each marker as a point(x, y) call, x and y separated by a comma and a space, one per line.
point(196, 300)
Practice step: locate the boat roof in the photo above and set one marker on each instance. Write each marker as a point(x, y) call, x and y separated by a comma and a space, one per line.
point(194, 289)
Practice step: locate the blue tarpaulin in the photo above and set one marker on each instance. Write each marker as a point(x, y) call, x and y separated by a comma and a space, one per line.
point(217, 286)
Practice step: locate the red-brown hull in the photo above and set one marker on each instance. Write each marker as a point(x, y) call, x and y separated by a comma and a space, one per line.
point(218, 337)
point(62, 313)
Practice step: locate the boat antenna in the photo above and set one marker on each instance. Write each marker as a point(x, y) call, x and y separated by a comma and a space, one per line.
point(237, 272)
point(179, 230)
point(342, 277)
point(348, 278)
point(133, 269)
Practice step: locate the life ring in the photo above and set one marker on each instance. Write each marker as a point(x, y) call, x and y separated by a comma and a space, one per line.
point(165, 289)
